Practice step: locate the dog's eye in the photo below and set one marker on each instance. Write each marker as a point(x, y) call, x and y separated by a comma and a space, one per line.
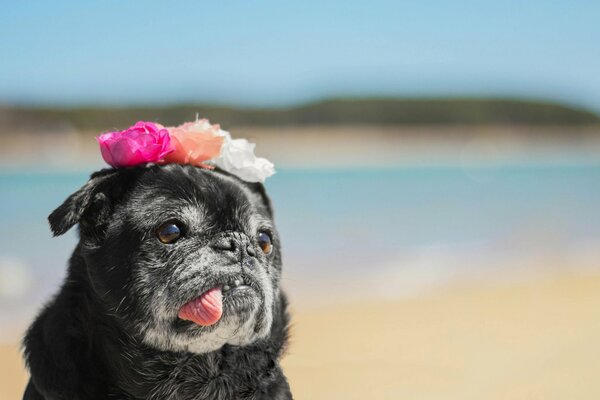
point(265, 243)
point(169, 232)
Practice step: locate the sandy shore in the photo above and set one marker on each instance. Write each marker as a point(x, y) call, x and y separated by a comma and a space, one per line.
point(335, 146)
point(533, 340)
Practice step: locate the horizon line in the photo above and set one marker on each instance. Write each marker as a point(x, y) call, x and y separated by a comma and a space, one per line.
point(282, 105)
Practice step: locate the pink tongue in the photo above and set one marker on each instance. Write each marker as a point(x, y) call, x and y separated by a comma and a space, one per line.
point(205, 310)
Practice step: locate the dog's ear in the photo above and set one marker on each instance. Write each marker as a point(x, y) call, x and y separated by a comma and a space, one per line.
point(91, 205)
point(259, 188)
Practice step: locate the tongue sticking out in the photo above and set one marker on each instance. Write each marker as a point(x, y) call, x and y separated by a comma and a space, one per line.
point(205, 310)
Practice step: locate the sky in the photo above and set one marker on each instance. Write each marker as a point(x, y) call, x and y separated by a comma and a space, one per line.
point(277, 53)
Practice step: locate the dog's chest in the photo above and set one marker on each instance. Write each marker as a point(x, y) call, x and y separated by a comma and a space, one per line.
point(212, 376)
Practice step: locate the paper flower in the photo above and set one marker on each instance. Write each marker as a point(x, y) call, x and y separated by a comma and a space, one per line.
point(237, 157)
point(195, 143)
point(141, 143)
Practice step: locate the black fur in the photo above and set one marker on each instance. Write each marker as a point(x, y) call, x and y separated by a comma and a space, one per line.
point(112, 331)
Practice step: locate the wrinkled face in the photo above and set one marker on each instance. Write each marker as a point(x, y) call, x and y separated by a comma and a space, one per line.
point(189, 260)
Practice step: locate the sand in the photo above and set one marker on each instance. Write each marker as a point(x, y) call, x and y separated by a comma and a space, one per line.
point(338, 146)
point(531, 340)
point(13, 377)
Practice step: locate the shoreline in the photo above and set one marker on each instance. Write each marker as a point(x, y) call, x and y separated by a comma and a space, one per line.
point(529, 339)
point(346, 146)
point(534, 340)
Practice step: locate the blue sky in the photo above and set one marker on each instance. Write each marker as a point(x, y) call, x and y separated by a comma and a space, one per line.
point(279, 53)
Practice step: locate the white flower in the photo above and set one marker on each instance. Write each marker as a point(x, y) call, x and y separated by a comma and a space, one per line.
point(237, 157)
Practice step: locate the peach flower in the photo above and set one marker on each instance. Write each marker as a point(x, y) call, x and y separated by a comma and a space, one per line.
point(195, 143)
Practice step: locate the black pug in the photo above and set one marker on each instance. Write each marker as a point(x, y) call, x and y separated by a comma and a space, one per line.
point(171, 293)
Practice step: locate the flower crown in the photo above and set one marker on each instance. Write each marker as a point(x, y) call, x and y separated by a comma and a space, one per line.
point(196, 143)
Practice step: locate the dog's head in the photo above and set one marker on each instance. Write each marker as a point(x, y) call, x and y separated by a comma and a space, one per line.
point(186, 259)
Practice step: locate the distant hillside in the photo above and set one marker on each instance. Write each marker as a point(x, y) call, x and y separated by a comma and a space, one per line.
point(331, 112)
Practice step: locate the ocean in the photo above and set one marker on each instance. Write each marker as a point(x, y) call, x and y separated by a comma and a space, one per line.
point(354, 232)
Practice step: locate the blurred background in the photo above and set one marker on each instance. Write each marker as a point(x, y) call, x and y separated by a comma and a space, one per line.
point(438, 177)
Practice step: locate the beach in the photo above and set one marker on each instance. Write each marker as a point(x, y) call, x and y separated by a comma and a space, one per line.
point(428, 177)
point(421, 264)
point(340, 146)
point(528, 339)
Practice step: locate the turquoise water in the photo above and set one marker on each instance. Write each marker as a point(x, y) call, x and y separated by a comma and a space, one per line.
point(344, 222)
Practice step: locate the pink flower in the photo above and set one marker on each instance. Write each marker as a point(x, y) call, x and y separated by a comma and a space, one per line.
point(195, 143)
point(141, 143)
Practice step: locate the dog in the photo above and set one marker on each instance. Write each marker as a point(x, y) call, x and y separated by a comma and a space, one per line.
point(172, 292)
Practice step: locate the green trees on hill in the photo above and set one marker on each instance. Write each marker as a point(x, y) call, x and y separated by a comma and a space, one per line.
point(330, 112)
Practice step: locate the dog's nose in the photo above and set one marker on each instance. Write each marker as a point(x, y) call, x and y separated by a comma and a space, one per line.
point(234, 244)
